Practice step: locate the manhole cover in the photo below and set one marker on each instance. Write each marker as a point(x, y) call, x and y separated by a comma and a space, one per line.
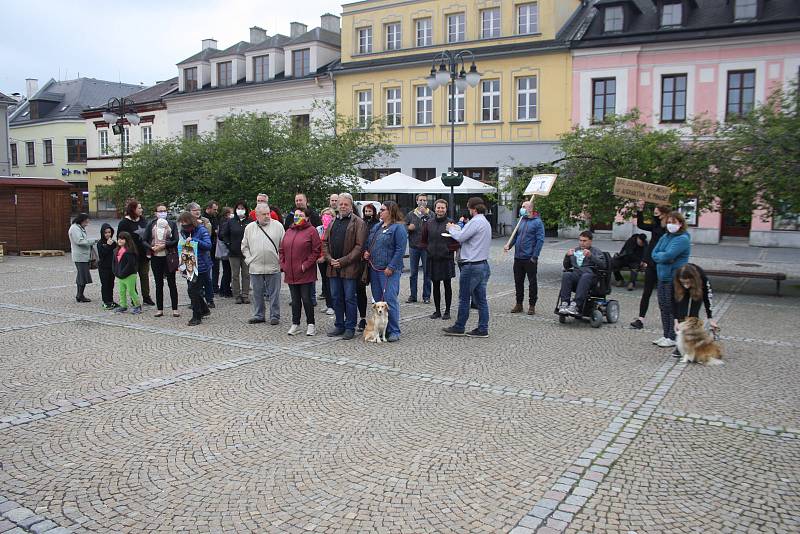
point(748, 265)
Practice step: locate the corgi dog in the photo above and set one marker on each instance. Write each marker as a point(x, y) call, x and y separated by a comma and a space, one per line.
point(696, 344)
point(375, 330)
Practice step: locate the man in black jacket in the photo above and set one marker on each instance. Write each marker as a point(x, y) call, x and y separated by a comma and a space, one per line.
point(631, 257)
point(301, 203)
point(580, 273)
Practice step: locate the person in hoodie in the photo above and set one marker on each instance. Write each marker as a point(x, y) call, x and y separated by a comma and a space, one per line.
point(580, 272)
point(299, 250)
point(231, 234)
point(630, 257)
point(161, 238)
point(441, 253)
point(105, 265)
point(194, 236)
point(125, 264)
point(671, 253)
point(527, 243)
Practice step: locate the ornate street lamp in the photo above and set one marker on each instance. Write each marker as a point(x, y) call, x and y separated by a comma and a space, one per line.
point(457, 78)
point(117, 111)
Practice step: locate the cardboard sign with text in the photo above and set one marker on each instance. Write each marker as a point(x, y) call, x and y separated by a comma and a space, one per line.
point(540, 184)
point(634, 189)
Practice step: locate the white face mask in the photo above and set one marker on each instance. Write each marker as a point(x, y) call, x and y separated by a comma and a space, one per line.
point(240, 213)
point(673, 227)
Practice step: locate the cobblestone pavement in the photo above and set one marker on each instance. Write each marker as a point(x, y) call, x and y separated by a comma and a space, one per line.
point(114, 423)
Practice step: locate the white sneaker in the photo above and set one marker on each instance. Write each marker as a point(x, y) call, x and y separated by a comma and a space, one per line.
point(312, 330)
point(666, 342)
point(562, 308)
point(329, 311)
point(294, 330)
point(659, 341)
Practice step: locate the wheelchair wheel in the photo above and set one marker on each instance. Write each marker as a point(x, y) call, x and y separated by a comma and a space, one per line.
point(562, 319)
point(596, 319)
point(612, 311)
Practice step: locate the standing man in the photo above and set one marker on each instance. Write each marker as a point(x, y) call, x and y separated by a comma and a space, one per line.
point(527, 243)
point(333, 202)
point(260, 245)
point(212, 209)
point(301, 203)
point(414, 223)
point(476, 240)
point(341, 248)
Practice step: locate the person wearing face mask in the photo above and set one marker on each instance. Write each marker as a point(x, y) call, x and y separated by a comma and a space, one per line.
point(299, 250)
point(221, 253)
point(326, 219)
point(160, 238)
point(441, 264)
point(193, 232)
point(657, 229)
point(370, 219)
point(416, 254)
point(527, 243)
point(231, 234)
point(671, 253)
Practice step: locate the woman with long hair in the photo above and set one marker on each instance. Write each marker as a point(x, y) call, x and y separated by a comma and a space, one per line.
point(692, 290)
point(370, 216)
point(657, 229)
point(161, 239)
point(671, 253)
point(441, 258)
point(81, 251)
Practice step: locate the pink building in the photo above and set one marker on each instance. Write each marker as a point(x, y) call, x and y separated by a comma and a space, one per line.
point(676, 59)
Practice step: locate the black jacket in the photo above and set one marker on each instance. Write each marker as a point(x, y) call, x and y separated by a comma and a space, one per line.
point(232, 233)
point(313, 218)
point(136, 229)
point(632, 249)
point(656, 231)
point(147, 240)
point(433, 240)
point(415, 235)
point(127, 265)
point(105, 252)
point(590, 265)
point(686, 307)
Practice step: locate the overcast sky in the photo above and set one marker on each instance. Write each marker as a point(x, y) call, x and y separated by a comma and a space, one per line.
point(133, 41)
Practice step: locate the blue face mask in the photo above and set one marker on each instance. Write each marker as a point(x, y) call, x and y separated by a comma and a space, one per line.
point(523, 212)
point(161, 214)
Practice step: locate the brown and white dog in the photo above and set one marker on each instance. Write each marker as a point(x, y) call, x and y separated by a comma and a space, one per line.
point(377, 323)
point(696, 344)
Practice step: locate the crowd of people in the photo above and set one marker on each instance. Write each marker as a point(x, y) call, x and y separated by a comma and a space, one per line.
point(235, 251)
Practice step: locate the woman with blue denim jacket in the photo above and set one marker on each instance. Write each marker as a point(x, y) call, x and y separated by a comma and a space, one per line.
point(670, 253)
point(386, 245)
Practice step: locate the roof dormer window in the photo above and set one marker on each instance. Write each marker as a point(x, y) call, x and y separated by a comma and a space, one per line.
point(672, 15)
point(745, 10)
point(614, 19)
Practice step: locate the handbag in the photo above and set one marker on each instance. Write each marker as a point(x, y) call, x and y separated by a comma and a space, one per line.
point(173, 262)
point(94, 257)
point(221, 252)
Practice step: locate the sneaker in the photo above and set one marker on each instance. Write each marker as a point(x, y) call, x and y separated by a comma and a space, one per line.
point(311, 330)
point(666, 342)
point(348, 334)
point(336, 332)
point(194, 321)
point(238, 300)
point(148, 301)
point(517, 308)
point(294, 330)
point(532, 309)
point(108, 306)
point(436, 315)
point(676, 353)
point(136, 310)
point(362, 324)
point(637, 324)
point(573, 310)
point(452, 331)
point(121, 309)
point(391, 338)
point(212, 305)
point(659, 340)
point(631, 286)
point(255, 320)
point(330, 311)
point(274, 321)
point(562, 308)
point(446, 316)
point(478, 333)
point(411, 299)
point(425, 301)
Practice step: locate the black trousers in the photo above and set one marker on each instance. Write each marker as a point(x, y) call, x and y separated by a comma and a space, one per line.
point(650, 281)
point(159, 266)
point(580, 283)
point(625, 262)
point(215, 274)
point(225, 281)
point(437, 294)
point(361, 298)
point(301, 296)
point(523, 268)
point(326, 286)
point(196, 292)
point(106, 285)
point(144, 278)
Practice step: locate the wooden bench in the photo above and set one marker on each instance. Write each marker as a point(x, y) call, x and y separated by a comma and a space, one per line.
point(778, 277)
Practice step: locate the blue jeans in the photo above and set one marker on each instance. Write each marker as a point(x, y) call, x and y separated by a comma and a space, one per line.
point(387, 289)
point(414, 257)
point(345, 303)
point(472, 285)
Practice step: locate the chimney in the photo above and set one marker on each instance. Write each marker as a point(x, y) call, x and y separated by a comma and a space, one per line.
point(297, 28)
point(31, 86)
point(209, 43)
point(330, 22)
point(257, 35)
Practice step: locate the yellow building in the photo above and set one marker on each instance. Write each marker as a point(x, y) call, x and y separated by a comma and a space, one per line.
point(513, 116)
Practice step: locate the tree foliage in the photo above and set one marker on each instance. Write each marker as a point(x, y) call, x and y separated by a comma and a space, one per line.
point(250, 154)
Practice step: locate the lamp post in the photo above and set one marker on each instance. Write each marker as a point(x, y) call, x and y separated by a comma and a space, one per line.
point(117, 111)
point(450, 75)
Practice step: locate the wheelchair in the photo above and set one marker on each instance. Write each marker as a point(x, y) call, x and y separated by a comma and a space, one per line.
point(597, 306)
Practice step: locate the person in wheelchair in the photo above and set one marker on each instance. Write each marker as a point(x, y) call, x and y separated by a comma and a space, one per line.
point(630, 257)
point(580, 273)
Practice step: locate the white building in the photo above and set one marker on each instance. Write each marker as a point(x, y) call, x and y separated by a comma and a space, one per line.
point(5, 158)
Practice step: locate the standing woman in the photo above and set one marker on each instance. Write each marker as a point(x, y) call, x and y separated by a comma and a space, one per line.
point(386, 245)
point(327, 215)
point(221, 252)
point(231, 234)
point(161, 239)
point(81, 250)
point(299, 250)
point(193, 230)
point(671, 253)
point(656, 229)
point(371, 219)
point(441, 263)
point(136, 225)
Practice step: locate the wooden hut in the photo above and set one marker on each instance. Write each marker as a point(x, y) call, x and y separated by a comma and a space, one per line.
point(34, 214)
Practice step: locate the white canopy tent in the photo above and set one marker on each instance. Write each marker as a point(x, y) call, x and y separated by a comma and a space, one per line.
point(469, 186)
point(397, 182)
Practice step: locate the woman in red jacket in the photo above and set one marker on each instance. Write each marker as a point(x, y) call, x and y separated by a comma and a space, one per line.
point(299, 251)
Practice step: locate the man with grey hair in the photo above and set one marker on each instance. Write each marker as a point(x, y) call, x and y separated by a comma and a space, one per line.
point(205, 279)
point(341, 248)
point(260, 245)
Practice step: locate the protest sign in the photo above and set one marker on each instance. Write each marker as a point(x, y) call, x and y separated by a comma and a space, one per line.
point(636, 190)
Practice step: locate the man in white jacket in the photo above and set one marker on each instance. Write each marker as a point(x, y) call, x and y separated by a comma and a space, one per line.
point(260, 245)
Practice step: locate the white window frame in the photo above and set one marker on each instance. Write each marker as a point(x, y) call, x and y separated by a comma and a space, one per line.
point(669, 14)
point(456, 27)
point(394, 36)
point(490, 23)
point(44, 152)
point(28, 161)
point(102, 142)
point(460, 101)
point(394, 107)
point(740, 6)
point(196, 131)
point(424, 105)
point(264, 61)
point(125, 140)
point(228, 67)
point(613, 23)
point(493, 94)
point(147, 135)
point(365, 40)
point(529, 23)
point(364, 102)
point(531, 98)
point(195, 80)
point(424, 32)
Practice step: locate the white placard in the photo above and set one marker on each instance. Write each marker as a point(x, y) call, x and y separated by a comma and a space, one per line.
point(540, 184)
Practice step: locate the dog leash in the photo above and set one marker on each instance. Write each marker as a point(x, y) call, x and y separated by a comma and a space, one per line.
point(372, 266)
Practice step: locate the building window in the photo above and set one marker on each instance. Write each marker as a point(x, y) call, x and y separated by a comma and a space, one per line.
point(190, 79)
point(424, 174)
point(672, 15)
point(224, 74)
point(76, 150)
point(741, 93)
point(424, 105)
point(147, 135)
point(301, 122)
point(261, 68)
point(47, 145)
point(456, 27)
point(393, 36)
point(301, 59)
point(745, 9)
point(14, 160)
point(102, 140)
point(393, 107)
point(785, 218)
point(365, 40)
point(604, 98)
point(190, 131)
point(490, 100)
point(527, 19)
point(527, 98)
point(125, 140)
point(673, 98)
point(490, 23)
point(459, 104)
point(364, 108)
point(30, 151)
point(614, 17)
point(424, 32)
